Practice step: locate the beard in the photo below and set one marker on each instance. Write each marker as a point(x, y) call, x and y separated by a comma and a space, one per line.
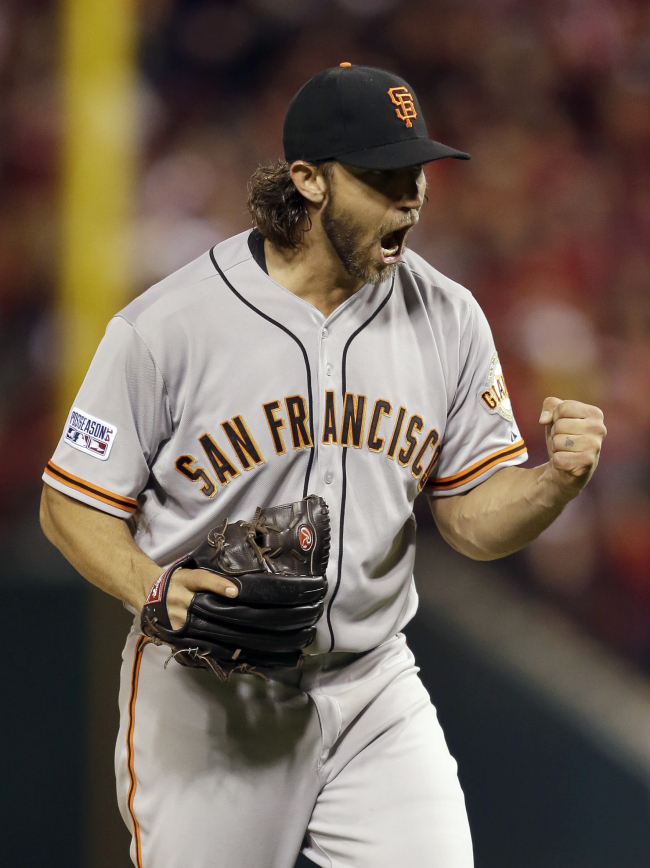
point(346, 236)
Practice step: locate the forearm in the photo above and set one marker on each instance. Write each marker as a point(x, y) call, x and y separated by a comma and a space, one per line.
point(99, 546)
point(502, 514)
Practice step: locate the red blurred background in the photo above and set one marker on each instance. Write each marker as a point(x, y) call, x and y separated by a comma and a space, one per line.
point(548, 225)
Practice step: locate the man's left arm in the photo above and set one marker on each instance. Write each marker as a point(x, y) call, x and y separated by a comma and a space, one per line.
point(512, 507)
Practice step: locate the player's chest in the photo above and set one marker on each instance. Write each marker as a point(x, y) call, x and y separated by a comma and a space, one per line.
point(265, 403)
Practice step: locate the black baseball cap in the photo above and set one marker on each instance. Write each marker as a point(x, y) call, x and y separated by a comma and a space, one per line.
point(361, 116)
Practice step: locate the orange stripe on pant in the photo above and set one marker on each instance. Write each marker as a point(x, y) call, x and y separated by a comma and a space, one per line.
point(137, 660)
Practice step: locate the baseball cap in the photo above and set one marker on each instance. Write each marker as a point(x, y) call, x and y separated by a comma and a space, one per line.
point(361, 116)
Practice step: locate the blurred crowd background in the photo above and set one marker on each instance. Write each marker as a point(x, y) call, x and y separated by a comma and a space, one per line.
point(548, 224)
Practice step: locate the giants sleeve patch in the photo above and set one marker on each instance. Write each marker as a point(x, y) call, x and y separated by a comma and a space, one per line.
point(89, 434)
point(493, 395)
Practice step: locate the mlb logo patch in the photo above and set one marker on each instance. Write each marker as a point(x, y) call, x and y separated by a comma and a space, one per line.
point(89, 434)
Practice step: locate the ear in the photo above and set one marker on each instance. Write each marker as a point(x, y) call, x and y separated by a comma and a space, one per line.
point(309, 181)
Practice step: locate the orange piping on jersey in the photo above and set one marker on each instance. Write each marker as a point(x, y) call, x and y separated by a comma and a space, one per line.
point(135, 675)
point(125, 503)
point(485, 464)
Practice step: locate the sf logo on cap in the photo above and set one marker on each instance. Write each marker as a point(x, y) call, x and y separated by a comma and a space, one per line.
point(403, 99)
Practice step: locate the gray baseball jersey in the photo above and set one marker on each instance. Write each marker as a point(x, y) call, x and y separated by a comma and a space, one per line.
point(217, 391)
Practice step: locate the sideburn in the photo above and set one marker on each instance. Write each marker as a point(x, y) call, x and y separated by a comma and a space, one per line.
point(344, 237)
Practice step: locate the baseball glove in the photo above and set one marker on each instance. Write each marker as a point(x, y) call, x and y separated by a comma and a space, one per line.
point(278, 561)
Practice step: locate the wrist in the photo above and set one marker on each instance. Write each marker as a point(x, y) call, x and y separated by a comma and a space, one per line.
point(552, 493)
point(145, 577)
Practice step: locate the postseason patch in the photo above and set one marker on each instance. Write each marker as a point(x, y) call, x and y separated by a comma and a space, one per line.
point(89, 434)
point(493, 395)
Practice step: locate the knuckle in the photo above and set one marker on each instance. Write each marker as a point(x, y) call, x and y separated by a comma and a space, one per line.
point(219, 581)
point(560, 442)
point(220, 584)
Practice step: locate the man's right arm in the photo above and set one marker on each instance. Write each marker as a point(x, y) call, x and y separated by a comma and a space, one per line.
point(100, 547)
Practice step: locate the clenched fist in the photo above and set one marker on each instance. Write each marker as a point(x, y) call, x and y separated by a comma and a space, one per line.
point(574, 436)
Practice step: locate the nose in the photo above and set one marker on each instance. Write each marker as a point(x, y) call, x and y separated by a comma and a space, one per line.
point(410, 188)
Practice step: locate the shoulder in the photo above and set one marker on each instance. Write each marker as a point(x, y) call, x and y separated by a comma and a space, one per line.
point(432, 281)
point(442, 297)
point(181, 291)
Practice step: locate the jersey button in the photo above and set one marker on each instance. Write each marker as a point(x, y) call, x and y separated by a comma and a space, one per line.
point(329, 477)
point(329, 370)
point(325, 332)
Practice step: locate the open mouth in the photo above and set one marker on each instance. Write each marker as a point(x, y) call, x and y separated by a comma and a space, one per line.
point(392, 245)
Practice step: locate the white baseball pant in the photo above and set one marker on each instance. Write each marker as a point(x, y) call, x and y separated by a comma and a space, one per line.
point(342, 757)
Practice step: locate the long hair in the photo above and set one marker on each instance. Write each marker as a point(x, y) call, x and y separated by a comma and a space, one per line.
point(277, 209)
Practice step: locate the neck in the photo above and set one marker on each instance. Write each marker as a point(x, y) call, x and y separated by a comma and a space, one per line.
point(313, 271)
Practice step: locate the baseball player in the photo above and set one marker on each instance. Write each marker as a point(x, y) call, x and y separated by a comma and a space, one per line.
point(313, 355)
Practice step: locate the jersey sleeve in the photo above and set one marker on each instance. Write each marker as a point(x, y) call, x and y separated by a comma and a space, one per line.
point(481, 435)
point(114, 430)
